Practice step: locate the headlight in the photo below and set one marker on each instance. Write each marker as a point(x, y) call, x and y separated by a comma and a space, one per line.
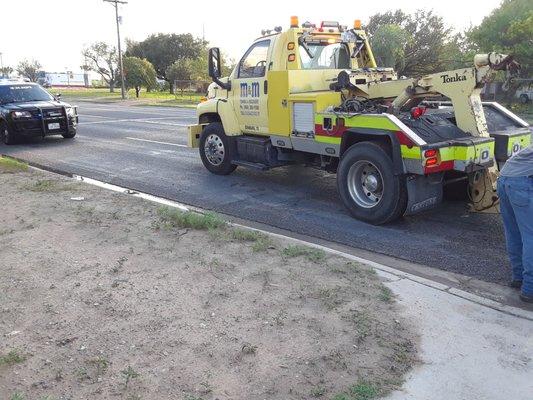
point(71, 111)
point(21, 114)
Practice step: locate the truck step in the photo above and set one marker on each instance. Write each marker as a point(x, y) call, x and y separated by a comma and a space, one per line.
point(249, 164)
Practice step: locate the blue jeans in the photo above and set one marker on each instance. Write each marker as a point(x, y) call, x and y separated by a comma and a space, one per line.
point(516, 206)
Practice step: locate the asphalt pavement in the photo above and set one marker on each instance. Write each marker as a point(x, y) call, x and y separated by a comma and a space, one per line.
point(144, 148)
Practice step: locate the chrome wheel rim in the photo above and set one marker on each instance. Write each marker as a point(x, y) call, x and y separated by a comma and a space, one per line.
point(214, 149)
point(365, 184)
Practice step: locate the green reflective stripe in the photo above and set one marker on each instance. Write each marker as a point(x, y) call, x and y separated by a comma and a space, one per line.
point(463, 153)
point(522, 140)
point(413, 152)
point(328, 139)
point(360, 121)
point(447, 153)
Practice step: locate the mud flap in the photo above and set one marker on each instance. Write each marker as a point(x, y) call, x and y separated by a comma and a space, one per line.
point(423, 192)
point(483, 191)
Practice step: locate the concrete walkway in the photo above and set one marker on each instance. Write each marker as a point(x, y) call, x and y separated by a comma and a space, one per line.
point(468, 350)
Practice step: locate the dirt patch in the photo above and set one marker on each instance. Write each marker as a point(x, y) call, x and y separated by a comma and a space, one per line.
point(107, 296)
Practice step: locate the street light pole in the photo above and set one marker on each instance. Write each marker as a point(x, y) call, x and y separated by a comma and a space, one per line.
point(121, 68)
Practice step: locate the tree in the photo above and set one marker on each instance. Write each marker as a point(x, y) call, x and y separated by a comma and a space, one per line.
point(508, 29)
point(424, 52)
point(102, 58)
point(162, 50)
point(180, 73)
point(388, 45)
point(138, 73)
point(29, 69)
point(5, 72)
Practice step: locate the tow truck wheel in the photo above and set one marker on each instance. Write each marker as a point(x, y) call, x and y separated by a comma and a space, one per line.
point(5, 135)
point(215, 150)
point(367, 184)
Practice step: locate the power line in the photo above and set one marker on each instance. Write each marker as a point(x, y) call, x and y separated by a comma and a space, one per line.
point(121, 68)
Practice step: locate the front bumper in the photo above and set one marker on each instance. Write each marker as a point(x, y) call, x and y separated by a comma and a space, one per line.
point(45, 122)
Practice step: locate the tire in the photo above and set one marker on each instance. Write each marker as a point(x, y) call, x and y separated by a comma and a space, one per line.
point(69, 135)
point(524, 99)
point(6, 136)
point(216, 150)
point(367, 184)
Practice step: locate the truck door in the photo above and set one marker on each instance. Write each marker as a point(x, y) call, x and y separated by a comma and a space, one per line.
point(250, 89)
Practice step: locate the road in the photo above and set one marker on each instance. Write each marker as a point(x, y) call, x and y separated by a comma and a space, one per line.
point(144, 148)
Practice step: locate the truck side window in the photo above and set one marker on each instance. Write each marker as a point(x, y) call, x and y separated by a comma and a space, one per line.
point(253, 64)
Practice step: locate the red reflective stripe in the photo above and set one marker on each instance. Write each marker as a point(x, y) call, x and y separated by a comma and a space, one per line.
point(403, 139)
point(443, 166)
point(337, 131)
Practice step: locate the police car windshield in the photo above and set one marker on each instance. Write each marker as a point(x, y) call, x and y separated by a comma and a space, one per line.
point(325, 56)
point(23, 93)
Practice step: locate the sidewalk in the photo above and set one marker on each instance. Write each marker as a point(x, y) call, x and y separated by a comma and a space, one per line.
point(468, 351)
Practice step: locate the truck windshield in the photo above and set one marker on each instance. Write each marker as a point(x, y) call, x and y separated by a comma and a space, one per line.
point(23, 93)
point(325, 56)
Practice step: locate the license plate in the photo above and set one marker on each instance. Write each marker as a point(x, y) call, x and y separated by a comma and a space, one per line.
point(54, 125)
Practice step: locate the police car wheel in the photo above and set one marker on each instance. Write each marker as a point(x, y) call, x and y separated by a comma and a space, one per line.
point(5, 135)
point(69, 135)
point(216, 149)
point(368, 186)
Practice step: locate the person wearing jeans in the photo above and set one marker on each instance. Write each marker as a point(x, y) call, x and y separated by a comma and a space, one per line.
point(515, 189)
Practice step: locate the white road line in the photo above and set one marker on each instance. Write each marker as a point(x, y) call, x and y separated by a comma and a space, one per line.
point(142, 120)
point(155, 141)
point(94, 116)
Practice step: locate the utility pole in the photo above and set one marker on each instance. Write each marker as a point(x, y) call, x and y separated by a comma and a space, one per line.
point(121, 68)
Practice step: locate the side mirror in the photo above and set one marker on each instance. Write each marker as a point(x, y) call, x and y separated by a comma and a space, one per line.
point(215, 68)
point(215, 64)
point(58, 96)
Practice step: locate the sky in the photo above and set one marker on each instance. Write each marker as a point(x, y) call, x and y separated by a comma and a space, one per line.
point(55, 31)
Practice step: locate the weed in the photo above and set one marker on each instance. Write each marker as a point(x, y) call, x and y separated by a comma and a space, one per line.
point(248, 348)
point(313, 255)
point(12, 358)
point(318, 391)
point(11, 165)
point(87, 215)
point(262, 244)
point(364, 391)
point(385, 294)
point(17, 396)
point(330, 297)
point(173, 218)
point(100, 363)
point(83, 374)
point(42, 185)
point(129, 374)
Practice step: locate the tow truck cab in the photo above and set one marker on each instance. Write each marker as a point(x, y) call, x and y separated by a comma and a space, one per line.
point(315, 95)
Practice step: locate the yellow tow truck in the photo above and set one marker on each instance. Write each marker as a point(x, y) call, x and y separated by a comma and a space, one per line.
point(314, 95)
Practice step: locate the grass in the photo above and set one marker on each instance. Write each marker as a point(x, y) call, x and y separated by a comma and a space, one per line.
point(361, 391)
point(156, 98)
point(12, 358)
point(174, 218)
point(11, 165)
point(128, 374)
point(17, 396)
point(261, 242)
point(385, 294)
point(313, 255)
point(318, 391)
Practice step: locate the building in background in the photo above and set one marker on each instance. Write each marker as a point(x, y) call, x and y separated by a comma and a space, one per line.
point(63, 79)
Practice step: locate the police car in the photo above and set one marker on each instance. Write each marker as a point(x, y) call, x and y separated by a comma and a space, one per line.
point(27, 110)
